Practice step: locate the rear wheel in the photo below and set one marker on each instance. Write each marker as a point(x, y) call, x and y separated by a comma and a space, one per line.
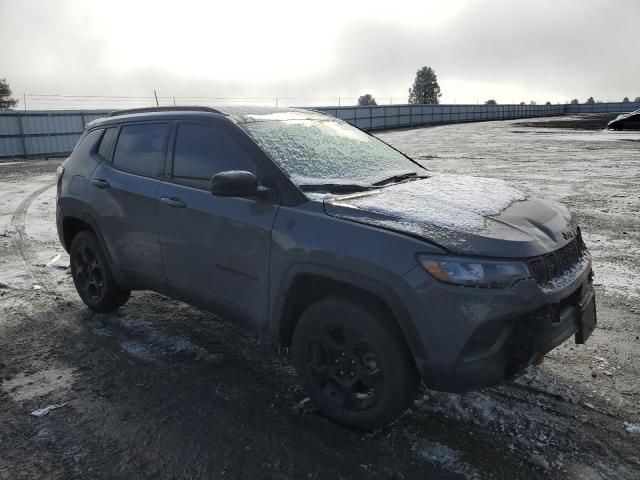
point(354, 363)
point(92, 277)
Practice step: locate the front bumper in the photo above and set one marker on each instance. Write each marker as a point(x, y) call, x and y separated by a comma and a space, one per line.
point(474, 337)
point(519, 343)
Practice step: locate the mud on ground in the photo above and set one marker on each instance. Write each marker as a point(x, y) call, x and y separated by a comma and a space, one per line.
point(589, 121)
point(160, 389)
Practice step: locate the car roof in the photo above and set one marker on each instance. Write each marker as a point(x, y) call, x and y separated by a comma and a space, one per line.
point(240, 114)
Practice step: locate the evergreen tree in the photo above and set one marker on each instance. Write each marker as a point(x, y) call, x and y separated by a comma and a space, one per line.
point(425, 88)
point(590, 100)
point(6, 100)
point(491, 102)
point(367, 99)
point(575, 101)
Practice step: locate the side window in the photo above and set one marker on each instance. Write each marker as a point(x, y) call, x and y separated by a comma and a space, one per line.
point(141, 148)
point(201, 151)
point(85, 147)
point(103, 149)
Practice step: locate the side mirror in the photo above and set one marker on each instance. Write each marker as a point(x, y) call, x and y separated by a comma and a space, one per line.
point(234, 183)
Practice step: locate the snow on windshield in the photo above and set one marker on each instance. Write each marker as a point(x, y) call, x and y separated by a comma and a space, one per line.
point(315, 149)
point(451, 201)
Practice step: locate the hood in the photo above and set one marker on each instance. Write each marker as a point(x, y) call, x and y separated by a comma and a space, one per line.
point(464, 215)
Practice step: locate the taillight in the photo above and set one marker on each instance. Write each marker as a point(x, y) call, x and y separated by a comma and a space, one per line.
point(59, 174)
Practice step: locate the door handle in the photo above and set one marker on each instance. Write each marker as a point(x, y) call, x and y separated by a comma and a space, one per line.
point(100, 183)
point(173, 202)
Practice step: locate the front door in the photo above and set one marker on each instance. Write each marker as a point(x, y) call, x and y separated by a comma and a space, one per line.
point(216, 249)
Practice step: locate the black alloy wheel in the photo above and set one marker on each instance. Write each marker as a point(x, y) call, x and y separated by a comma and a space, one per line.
point(92, 275)
point(354, 362)
point(344, 367)
point(89, 272)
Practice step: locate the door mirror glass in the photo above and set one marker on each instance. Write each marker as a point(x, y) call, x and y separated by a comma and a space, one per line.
point(234, 183)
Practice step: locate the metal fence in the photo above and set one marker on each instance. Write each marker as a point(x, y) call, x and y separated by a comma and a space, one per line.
point(395, 116)
point(36, 133)
point(42, 133)
point(610, 107)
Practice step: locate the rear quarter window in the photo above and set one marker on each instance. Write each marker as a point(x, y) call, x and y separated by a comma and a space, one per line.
point(141, 148)
point(85, 147)
point(105, 143)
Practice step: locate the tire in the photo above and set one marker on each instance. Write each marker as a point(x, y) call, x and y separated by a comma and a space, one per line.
point(354, 363)
point(92, 276)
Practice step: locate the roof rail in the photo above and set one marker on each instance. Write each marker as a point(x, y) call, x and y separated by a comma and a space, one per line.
point(164, 109)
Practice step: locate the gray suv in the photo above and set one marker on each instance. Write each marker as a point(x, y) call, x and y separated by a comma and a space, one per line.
point(376, 273)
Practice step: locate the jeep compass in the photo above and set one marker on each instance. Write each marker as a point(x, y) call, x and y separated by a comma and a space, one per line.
point(376, 273)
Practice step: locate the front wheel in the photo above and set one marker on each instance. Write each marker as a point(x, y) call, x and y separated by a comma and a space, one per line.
point(92, 277)
point(354, 363)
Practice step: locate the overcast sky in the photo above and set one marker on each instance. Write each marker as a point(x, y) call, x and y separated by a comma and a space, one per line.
point(508, 50)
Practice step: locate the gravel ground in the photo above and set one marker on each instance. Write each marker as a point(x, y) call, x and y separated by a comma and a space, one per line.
point(163, 390)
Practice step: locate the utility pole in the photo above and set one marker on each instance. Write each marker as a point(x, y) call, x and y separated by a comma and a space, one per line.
point(156, 95)
point(174, 101)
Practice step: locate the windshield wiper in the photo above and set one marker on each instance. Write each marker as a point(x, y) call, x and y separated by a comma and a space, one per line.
point(334, 188)
point(398, 178)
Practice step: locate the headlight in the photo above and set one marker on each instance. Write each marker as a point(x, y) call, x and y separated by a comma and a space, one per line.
point(474, 272)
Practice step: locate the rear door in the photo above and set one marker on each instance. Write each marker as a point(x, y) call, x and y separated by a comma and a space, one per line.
point(123, 193)
point(216, 249)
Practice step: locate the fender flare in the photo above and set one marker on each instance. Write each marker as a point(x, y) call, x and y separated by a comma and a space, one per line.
point(69, 211)
point(362, 282)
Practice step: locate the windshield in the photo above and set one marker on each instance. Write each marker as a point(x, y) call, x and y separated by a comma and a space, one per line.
point(315, 149)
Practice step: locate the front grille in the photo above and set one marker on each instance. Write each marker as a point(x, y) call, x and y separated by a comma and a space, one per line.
point(554, 264)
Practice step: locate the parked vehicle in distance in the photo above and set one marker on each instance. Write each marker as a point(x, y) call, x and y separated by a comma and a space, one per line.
point(626, 121)
point(376, 273)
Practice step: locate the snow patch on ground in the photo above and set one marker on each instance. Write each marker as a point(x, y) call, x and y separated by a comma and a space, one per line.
point(617, 278)
point(35, 385)
point(526, 426)
point(41, 213)
point(145, 342)
point(445, 457)
point(137, 349)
